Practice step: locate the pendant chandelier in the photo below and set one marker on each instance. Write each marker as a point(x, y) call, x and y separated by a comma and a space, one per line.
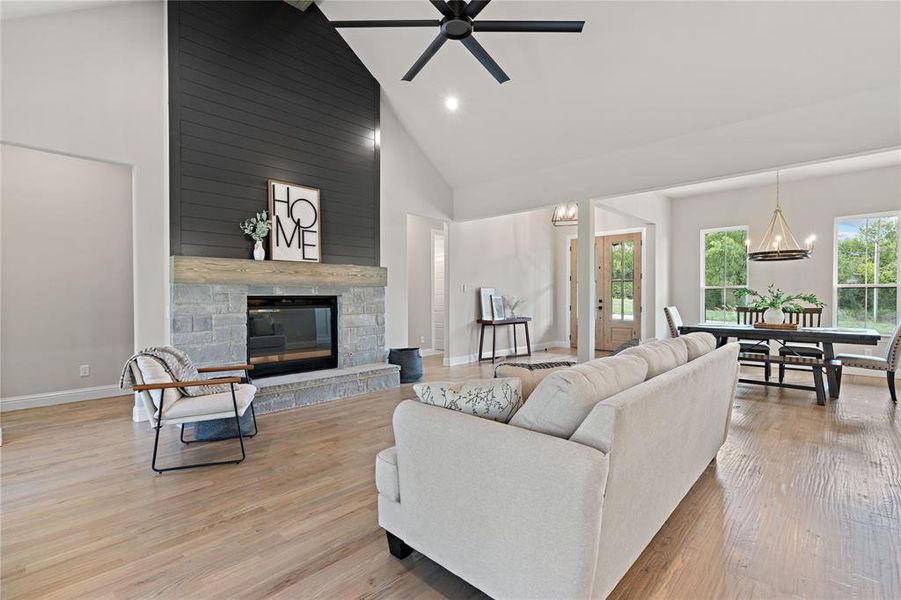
point(565, 214)
point(779, 242)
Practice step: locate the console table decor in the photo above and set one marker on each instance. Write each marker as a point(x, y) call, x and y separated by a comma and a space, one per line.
point(494, 324)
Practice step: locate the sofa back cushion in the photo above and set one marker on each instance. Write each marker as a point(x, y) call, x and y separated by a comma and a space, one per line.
point(698, 344)
point(660, 355)
point(564, 398)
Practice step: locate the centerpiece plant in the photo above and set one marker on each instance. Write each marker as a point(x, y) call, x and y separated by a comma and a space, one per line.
point(774, 302)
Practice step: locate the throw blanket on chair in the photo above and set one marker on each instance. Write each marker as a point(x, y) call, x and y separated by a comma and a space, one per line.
point(178, 365)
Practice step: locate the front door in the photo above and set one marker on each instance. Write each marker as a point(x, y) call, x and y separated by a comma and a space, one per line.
point(619, 290)
point(618, 287)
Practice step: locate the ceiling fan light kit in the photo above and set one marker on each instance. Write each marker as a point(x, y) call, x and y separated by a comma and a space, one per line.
point(779, 243)
point(458, 23)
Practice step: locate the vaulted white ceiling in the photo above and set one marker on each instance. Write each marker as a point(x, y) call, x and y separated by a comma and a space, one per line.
point(651, 94)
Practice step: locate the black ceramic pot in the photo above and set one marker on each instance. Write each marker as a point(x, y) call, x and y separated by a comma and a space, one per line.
point(410, 362)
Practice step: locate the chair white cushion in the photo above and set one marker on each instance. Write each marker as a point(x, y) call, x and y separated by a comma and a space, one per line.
point(386, 478)
point(661, 355)
point(212, 404)
point(153, 371)
point(698, 344)
point(495, 399)
point(564, 398)
point(863, 362)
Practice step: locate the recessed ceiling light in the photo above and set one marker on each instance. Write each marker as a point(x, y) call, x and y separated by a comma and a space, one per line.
point(451, 103)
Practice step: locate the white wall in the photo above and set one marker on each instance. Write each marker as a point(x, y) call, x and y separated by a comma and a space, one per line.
point(410, 184)
point(93, 83)
point(810, 206)
point(419, 272)
point(66, 281)
point(517, 255)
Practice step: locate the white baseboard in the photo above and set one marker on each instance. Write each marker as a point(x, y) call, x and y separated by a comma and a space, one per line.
point(61, 397)
point(454, 361)
point(425, 353)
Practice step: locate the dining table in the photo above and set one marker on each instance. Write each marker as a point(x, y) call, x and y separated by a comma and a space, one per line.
point(826, 337)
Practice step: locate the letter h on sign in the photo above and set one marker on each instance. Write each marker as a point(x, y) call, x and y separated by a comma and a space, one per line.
point(296, 226)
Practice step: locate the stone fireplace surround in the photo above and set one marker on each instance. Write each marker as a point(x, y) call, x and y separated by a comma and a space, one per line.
point(209, 322)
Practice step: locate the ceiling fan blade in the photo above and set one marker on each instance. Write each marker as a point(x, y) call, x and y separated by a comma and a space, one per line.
point(483, 57)
point(405, 23)
point(530, 26)
point(475, 7)
point(443, 7)
point(426, 57)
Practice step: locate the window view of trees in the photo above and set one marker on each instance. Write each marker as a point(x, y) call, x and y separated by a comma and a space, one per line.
point(725, 272)
point(867, 273)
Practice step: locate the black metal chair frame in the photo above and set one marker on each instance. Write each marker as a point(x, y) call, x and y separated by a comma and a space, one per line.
point(240, 436)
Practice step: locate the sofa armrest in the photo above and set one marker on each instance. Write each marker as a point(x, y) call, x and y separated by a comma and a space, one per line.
point(514, 512)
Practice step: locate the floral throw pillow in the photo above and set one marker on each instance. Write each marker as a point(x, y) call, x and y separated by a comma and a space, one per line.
point(495, 399)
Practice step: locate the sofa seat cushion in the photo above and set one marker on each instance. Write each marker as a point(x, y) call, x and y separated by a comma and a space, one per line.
point(660, 355)
point(495, 399)
point(698, 344)
point(212, 404)
point(530, 374)
point(564, 398)
point(387, 481)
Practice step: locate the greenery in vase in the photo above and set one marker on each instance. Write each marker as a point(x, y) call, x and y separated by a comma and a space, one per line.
point(257, 227)
point(776, 298)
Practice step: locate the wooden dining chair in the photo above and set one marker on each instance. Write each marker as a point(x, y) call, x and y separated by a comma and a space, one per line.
point(745, 315)
point(806, 317)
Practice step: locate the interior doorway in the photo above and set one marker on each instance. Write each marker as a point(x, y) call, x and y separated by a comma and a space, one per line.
point(618, 280)
point(438, 290)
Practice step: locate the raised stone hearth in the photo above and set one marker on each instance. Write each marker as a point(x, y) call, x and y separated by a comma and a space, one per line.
point(209, 322)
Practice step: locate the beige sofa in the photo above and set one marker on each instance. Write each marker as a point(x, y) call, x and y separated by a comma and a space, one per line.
point(523, 514)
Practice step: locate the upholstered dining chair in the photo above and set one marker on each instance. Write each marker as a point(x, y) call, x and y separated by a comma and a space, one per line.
point(673, 320)
point(888, 364)
point(166, 405)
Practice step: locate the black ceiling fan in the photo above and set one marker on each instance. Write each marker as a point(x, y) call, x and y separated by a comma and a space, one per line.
point(458, 24)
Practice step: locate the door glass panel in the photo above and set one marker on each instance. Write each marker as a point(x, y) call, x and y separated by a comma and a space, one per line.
point(616, 295)
point(616, 260)
point(628, 259)
point(628, 301)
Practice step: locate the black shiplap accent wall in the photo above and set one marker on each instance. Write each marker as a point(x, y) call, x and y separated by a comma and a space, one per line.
point(258, 91)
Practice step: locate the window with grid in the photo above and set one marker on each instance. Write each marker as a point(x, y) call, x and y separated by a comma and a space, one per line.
point(724, 269)
point(866, 272)
point(622, 270)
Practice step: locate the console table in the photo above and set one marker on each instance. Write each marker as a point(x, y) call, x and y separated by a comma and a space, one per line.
point(494, 324)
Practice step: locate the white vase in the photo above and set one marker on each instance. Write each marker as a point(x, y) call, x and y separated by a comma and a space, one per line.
point(773, 316)
point(259, 253)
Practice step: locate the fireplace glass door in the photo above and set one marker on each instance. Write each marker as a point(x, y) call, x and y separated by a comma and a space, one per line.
point(291, 334)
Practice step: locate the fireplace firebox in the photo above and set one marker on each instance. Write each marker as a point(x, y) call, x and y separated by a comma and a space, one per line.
point(292, 334)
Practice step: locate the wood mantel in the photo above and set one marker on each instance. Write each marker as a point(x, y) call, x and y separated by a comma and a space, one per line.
point(201, 269)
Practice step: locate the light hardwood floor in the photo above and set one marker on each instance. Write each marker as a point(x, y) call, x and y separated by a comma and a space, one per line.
point(803, 501)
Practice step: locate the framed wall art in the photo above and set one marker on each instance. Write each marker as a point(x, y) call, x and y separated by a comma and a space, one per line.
point(296, 222)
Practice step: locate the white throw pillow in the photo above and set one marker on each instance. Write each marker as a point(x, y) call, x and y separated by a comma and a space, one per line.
point(698, 344)
point(660, 355)
point(564, 398)
point(495, 399)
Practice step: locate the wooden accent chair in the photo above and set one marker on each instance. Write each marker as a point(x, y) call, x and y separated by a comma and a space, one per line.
point(888, 364)
point(165, 404)
point(673, 320)
point(748, 316)
point(806, 317)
